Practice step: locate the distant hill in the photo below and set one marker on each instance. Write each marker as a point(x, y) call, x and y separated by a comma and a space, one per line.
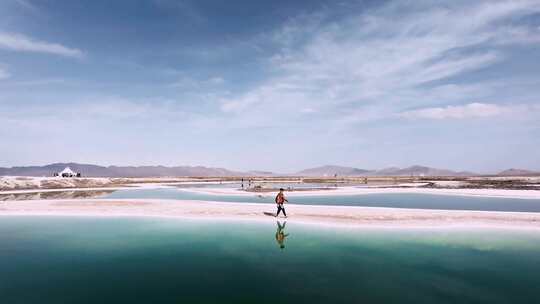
point(88, 170)
point(386, 171)
point(329, 170)
point(518, 172)
point(392, 171)
point(421, 171)
point(261, 173)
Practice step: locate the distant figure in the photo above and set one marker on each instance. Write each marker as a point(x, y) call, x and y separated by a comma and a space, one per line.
point(281, 235)
point(242, 183)
point(280, 200)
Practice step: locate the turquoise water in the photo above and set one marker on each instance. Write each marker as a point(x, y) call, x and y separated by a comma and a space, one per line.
point(89, 260)
point(394, 200)
point(273, 185)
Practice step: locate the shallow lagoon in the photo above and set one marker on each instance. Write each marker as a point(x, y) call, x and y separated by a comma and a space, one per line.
point(392, 200)
point(99, 260)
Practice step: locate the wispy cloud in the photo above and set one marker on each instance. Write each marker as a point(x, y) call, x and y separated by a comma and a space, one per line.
point(472, 110)
point(98, 109)
point(385, 59)
point(27, 4)
point(37, 82)
point(190, 83)
point(18, 42)
point(356, 82)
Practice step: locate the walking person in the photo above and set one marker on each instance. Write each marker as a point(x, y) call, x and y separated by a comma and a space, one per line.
point(280, 200)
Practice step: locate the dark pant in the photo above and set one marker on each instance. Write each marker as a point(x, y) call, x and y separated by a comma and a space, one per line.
point(279, 209)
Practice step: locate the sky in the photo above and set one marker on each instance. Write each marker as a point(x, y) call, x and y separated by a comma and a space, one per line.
point(271, 85)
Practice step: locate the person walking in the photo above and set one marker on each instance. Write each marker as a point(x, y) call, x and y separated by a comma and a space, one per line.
point(280, 200)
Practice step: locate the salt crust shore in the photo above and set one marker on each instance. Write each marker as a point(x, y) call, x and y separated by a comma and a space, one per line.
point(130, 187)
point(309, 214)
point(494, 193)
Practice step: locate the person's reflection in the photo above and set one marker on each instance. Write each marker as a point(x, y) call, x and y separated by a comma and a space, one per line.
point(281, 235)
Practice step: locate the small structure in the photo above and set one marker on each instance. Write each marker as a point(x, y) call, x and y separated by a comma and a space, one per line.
point(67, 172)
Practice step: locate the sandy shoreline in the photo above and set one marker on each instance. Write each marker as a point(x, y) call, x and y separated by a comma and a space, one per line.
point(311, 214)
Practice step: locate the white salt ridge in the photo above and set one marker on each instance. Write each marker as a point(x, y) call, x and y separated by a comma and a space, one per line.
point(320, 215)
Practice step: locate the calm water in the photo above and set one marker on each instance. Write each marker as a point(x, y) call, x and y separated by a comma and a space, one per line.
point(395, 200)
point(88, 260)
point(273, 185)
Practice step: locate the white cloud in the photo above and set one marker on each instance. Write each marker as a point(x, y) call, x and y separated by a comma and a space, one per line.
point(216, 80)
point(308, 110)
point(26, 4)
point(191, 83)
point(18, 42)
point(383, 60)
point(95, 110)
point(472, 110)
point(38, 82)
point(517, 35)
point(240, 104)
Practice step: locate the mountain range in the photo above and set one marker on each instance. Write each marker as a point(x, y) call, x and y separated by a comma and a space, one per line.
point(518, 172)
point(89, 170)
point(392, 171)
point(119, 171)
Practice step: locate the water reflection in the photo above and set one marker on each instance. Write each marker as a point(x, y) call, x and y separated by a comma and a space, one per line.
point(280, 234)
point(54, 195)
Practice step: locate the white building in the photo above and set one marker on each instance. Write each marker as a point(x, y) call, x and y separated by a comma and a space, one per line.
point(67, 172)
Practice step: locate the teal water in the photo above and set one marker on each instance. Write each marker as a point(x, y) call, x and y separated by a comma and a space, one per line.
point(393, 200)
point(90, 260)
point(273, 185)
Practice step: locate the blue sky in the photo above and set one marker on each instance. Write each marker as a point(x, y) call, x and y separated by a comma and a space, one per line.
point(271, 85)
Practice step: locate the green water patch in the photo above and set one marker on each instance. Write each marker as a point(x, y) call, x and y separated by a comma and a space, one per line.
point(107, 260)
